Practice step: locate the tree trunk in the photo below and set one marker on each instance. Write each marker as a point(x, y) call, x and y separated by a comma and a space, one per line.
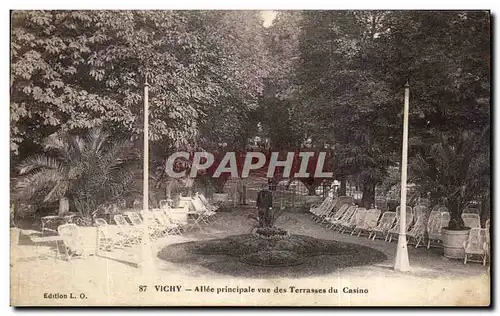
point(454, 205)
point(343, 187)
point(63, 206)
point(368, 199)
point(311, 189)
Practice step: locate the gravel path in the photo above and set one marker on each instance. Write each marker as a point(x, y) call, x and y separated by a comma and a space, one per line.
point(433, 279)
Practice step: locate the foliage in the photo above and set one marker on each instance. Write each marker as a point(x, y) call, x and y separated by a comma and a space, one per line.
point(78, 69)
point(241, 51)
point(89, 170)
point(333, 79)
point(271, 232)
point(276, 109)
point(352, 68)
point(454, 171)
point(341, 97)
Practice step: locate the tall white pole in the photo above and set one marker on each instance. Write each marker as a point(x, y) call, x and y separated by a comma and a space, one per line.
point(402, 262)
point(146, 251)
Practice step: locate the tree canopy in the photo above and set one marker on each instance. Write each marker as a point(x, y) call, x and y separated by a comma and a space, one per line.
point(332, 79)
point(78, 69)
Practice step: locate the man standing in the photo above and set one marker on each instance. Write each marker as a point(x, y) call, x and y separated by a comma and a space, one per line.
point(242, 191)
point(264, 204)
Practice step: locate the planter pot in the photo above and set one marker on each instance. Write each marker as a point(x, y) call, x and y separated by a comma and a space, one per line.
point(453, 242)
point(220, 197)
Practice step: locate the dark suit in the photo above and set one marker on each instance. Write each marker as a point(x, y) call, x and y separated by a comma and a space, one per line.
point(264, 202)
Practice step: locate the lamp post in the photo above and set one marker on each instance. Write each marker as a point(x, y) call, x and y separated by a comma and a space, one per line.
point(146, 249)
point(402, 262)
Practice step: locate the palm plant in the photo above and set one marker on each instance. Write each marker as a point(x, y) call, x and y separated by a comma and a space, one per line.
point(86, 170)
point(454, 171)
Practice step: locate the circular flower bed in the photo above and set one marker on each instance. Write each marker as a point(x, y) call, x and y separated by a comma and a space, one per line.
point(295, 255)
point(272, 258)
point(273, 233)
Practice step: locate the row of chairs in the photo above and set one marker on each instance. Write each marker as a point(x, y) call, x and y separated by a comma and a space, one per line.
point(163, 221)
point(343, 216)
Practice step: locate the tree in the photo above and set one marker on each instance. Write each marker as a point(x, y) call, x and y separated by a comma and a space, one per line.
point(87, 171)
point(354, 65)
point(342, 98)
point(241, 52)
point(78, 69)
point(276, 109)
point(73, 70)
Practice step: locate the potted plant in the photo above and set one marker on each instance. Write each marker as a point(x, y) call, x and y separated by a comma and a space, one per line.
point(75, 168)
point(455, 171)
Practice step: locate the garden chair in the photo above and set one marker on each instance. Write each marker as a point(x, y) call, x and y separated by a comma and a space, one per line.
point(356, 219)
point(207, 203)
point(434, 209)
point(329, 211)
point(178, 215)
point(341, 200)
point(420, 210)
point(207, 211)
point(130, 233)
point(184, 200)
point(337, 224)
point(473, 209)
point(395, 229)
point(337, 216)
point(476, 245)
point(436, 222)
point(370, 221)
point(345, 200)
point(317, 210)
point(199, 216)
point(156, 229)
point(106, 241)
point(73, 245)
point(417, 232)
point(437, 207)
point(385, 223)
point(381, 204)
point(324, 210)
point(164, 221)
point(137, 222)
point(471, 220)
